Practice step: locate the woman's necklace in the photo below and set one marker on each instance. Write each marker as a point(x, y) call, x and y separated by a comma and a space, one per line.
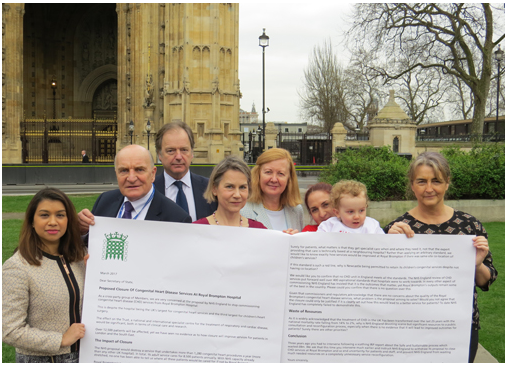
point(279, 208)
point(240, 219)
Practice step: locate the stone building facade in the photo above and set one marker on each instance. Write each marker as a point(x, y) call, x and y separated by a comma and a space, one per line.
point(248, 117)
point(160, 62)
point(391, 126)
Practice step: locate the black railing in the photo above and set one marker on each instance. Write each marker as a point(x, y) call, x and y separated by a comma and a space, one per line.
point(360, 136)
point(307, 148)
point(62, 140)
point(460, 138)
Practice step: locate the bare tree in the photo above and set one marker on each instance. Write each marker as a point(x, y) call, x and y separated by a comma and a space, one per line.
point(421, 92)
point(363, 88)
point(460, 99)
point(323, 96)
point(440, 36)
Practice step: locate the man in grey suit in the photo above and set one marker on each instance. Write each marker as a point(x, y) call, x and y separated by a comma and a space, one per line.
point(136, 197)
point(175, 145)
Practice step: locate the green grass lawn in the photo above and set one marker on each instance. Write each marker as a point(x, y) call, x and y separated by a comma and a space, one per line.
point(10, 237)
point(491, 303)
point(20, 203)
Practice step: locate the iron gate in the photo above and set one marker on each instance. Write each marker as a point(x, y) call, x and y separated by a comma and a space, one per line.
point(307, 149)
point(62, 140)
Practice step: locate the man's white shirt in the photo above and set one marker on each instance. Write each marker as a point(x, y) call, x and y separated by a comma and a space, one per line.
point(171, 191)
point(138, 206)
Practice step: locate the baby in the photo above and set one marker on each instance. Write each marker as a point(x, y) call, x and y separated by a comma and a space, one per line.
point(350, 199)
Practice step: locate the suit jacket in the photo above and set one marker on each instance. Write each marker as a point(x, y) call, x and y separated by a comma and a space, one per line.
point(161, 208)
point(199, 185)
point(86, 159)
point(256, 211)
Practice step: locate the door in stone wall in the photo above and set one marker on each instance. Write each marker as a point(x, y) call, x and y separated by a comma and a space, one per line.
point(105, 107)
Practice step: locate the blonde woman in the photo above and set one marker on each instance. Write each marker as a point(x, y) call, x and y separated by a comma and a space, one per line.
point(229, 186)
point(275, 199)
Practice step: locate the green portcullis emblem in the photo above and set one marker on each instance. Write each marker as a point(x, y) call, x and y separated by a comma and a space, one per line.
point(115, 247)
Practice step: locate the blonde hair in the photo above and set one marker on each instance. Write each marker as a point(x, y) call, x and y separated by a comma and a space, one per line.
point(290, 195)
point(229, 163)
point(350, 187)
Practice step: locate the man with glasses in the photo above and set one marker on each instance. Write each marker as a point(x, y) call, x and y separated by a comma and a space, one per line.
point(175, 144)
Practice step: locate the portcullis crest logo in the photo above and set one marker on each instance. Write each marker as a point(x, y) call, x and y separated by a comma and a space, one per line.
point(115, 247)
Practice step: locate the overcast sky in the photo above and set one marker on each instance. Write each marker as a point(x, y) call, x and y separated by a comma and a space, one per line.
point(294, 30)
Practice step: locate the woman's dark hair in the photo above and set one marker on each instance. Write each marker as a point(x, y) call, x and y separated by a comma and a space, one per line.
point(71, 245)
point(326, 187)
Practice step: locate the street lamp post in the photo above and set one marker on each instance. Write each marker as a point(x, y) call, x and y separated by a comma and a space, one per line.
point(261, 133)
point(499, 58)
point(148, 130)
point(53, 86)
point(131, 130)
point(263, 42)
point(250, 147)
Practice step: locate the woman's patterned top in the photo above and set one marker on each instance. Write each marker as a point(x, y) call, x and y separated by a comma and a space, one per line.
point(460, 224)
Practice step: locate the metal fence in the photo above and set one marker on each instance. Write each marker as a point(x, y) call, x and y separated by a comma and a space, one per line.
point(357, 136)
point(307, 148)
point(62, 140)
point(496, 137)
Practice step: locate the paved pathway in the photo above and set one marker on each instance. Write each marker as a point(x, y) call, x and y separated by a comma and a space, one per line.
point(28, 189)
point(13, 215)
point(483, 356)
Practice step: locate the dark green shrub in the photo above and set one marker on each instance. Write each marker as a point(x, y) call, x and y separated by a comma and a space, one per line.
point(381, 170)
point(477, 174)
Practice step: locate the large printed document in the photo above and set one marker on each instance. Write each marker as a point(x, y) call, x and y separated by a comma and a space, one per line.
point(170, 292)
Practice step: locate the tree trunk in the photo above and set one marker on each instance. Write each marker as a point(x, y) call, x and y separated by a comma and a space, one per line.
point(478, 120)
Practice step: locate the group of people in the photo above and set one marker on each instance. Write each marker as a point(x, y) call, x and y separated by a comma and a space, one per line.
point(46, 272)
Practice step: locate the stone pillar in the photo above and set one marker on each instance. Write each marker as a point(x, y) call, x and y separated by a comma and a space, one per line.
point(141, 71)
point(180, 62)
point(201, 85)
point(392, 122)
point(271, 135)
point(339, 133)
point(12, 80)
point(124, 73)
point(149, 116)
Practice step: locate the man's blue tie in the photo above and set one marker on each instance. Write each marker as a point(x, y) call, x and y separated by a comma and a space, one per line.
point(128, 210)
point(181, 199)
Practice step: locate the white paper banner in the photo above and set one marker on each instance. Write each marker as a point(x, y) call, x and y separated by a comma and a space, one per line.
point(171, 292)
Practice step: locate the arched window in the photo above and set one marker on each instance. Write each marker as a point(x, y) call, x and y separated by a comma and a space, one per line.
point(396, 144)
point(105, 99)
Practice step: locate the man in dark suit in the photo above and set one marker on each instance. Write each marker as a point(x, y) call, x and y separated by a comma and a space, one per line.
point(175, 144)
point(86, 159)
point(136, 197)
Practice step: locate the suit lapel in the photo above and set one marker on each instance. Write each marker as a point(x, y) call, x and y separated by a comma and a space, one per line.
point(155, 207)
point(160, 183)
point(114, 207)
point(289, 216)
point(197, 191)
point(261, 214)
